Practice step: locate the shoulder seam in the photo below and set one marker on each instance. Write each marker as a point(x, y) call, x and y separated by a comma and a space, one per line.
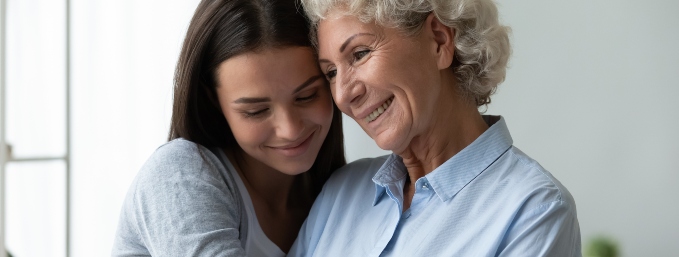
point(534, 166)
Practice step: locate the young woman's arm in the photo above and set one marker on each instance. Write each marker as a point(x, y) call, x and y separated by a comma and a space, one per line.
point(180, 205)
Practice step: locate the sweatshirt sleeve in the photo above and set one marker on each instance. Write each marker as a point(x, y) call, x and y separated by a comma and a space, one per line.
point(180, 205)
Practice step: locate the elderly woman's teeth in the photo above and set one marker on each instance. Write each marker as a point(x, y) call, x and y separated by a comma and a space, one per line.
point(377, 112)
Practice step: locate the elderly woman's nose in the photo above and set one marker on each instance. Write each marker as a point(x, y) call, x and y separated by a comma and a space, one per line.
point(348, 91)
point(289, 125)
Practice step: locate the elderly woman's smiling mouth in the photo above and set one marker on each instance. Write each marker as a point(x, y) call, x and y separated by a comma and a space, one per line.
point(377, 110)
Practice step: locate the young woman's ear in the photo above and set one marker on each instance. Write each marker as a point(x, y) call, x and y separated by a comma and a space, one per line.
point(442, 37)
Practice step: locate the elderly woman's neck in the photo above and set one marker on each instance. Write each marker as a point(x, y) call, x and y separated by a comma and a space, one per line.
point(450, 132)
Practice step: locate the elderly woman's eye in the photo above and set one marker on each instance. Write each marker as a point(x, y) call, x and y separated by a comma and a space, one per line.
point(360, 54)
point(331, 74)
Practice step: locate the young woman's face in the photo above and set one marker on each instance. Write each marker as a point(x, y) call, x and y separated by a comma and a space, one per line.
point(278, 106)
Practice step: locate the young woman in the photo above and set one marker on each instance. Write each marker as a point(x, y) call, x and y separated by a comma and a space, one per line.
point(254, 136)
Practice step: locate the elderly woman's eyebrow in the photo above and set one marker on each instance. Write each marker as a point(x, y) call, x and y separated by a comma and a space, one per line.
point(346, 42)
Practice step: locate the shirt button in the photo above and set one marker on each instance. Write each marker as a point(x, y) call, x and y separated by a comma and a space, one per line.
point(425, 186)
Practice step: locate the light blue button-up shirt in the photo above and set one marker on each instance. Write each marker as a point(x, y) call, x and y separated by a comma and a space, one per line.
point(490, 199)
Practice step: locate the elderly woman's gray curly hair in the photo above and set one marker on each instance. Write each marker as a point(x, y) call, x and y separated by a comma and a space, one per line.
point(481, 43)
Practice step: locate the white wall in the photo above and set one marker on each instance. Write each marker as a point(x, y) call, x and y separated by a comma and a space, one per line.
point(589, 95)
point(592, 95)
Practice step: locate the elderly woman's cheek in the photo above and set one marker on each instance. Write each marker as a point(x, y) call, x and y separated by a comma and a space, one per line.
point(342, 95)
point(333, 91)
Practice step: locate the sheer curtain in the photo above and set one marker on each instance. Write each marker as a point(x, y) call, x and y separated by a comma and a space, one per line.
point(35, 102)
point(123, 55)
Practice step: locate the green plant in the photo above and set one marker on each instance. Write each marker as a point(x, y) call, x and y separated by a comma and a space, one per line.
point(602, 246)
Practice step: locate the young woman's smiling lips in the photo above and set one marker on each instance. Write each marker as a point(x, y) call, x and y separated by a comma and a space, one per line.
point(295, 148)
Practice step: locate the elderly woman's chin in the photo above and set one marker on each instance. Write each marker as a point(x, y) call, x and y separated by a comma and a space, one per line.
point(387, 141)
point(390, 137)
point(392, 128)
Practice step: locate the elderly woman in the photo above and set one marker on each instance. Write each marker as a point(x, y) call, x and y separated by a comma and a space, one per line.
point(414, 74)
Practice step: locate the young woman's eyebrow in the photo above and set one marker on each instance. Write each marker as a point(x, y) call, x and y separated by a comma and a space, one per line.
point(255, 100)
point(307, 83)
point(252, 100)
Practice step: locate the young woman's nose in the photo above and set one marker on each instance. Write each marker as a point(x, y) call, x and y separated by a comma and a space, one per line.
point(289, 125)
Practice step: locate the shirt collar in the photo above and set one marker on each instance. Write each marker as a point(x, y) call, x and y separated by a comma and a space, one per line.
point(454, 174)
point(392, 171)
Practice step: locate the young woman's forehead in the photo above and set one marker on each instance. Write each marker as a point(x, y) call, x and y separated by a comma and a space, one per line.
point(268, 71)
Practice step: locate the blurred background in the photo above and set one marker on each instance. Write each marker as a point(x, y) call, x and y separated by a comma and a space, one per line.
point(86, 90)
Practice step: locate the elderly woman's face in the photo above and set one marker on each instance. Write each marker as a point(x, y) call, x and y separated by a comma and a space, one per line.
point(387, 82)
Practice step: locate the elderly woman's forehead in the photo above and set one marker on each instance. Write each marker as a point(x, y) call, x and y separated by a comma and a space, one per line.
point(338, 19)
point(341, 28)
point(346, 25)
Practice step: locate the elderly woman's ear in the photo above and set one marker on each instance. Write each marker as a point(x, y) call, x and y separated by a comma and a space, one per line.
point(442, 36)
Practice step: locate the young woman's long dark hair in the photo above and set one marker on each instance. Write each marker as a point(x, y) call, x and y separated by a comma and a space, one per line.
point(219, 30)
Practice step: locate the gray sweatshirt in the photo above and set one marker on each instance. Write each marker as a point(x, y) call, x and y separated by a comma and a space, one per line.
point(183, 202)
